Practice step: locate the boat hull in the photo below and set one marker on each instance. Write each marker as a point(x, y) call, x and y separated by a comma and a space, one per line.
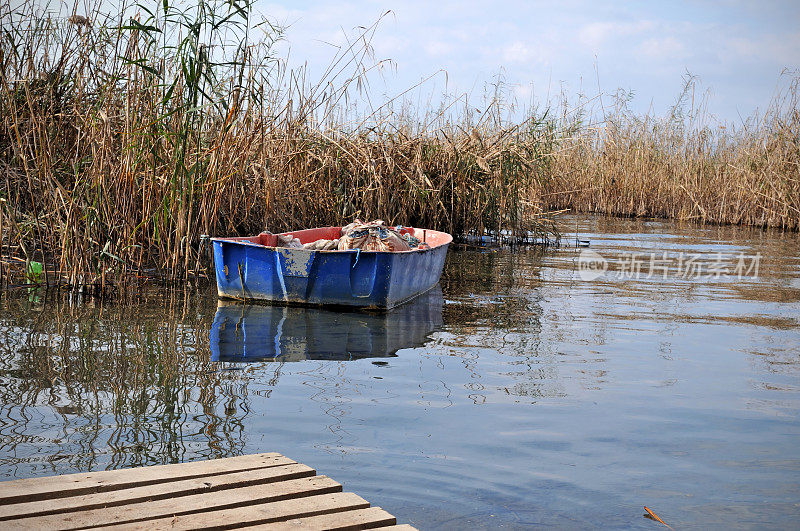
point(247, 270)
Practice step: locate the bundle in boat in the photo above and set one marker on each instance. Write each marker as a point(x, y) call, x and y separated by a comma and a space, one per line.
point(376, 236)
point(367, 236)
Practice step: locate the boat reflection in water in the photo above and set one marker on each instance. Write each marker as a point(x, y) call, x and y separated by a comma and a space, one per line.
point(246, 332)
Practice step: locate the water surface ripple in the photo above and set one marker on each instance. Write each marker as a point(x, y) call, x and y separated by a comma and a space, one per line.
point(516, 394)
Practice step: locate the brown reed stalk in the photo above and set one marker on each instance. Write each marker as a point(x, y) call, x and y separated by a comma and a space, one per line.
point(686, 166)
point(124, 139)
point(124, 145)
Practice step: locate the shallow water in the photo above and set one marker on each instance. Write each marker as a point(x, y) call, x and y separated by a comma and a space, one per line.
point(518, 394)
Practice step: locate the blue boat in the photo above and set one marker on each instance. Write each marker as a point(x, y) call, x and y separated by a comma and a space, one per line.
point(253, 268)
point(243, 332)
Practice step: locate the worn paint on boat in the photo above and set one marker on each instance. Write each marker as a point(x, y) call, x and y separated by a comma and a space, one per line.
point(252, 268)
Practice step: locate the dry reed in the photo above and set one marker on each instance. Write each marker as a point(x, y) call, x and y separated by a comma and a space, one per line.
point(123, 141)
point(685, 166)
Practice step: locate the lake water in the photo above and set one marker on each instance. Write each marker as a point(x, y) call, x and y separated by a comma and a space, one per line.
point(522, 392)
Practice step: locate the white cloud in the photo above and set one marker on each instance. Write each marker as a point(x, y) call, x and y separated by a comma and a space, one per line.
point(596, 35)
point(523, 53)
point(737, 50)
point(663, 49)
point(523, 92)
point(438, 48)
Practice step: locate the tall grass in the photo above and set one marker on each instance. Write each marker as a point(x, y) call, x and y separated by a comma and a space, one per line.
point(685, 165)
point(124, 141)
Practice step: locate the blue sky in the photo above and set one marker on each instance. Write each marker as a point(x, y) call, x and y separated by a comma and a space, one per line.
point(736, 49)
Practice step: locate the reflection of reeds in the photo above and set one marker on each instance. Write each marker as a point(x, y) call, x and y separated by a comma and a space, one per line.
point(99, 386)
point(122, 145)
point(495, 307)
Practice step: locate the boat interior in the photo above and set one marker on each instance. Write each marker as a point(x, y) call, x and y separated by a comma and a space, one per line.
point(433, 238)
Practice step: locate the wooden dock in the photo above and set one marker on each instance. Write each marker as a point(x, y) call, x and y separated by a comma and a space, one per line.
point(262, 491)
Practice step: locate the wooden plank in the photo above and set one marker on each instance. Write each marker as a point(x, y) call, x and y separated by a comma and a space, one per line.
point(358, 519)
point(46, 488)
point(195, 503)
point(254, 514)
point(172, 489)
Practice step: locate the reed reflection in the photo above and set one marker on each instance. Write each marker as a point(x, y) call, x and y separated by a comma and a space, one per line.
point(87, 386)
point(493, 323)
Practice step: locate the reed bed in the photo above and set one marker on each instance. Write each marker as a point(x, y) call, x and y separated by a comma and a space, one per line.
point(685, 165)
point(125, 141)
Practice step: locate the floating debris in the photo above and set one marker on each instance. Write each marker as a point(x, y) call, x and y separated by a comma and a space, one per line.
point(654, 516)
